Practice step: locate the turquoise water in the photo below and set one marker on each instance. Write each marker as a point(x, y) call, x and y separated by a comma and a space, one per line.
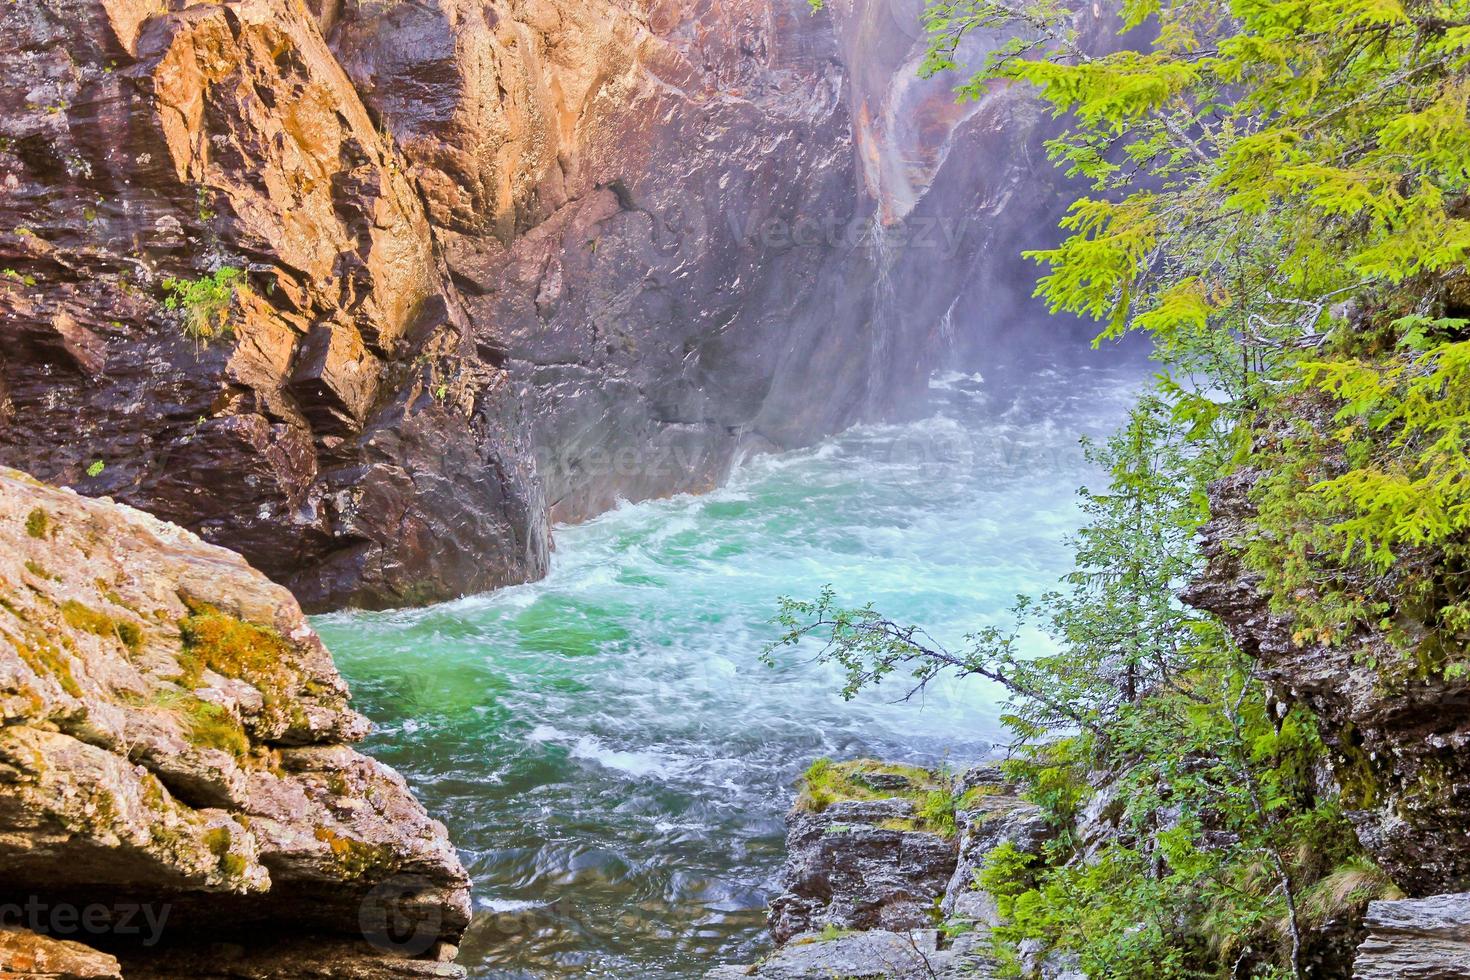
point(608, 753)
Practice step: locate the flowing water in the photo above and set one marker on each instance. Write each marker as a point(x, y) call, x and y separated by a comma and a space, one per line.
point(607, 751)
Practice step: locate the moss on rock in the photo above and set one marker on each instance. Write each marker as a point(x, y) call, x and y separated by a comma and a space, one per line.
point(80, 616)
point(46, 660)
point(827, 782)
point(356, 858)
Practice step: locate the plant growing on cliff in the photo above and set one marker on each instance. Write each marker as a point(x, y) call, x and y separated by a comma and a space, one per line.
point(205, 303)
point(1278, 201)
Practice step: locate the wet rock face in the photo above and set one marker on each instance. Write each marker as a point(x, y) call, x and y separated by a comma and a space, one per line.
point(1416, 939)
point(342, 432)
point(1399, 744)
point(644, 208)
point(175, 735)
point(845, 869)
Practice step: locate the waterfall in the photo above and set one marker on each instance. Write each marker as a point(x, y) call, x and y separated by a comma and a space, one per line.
point(883, 317)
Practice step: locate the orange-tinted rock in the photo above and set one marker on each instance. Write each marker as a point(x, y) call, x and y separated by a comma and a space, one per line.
point(27, 956)
point(335, 379)
point(141, 142)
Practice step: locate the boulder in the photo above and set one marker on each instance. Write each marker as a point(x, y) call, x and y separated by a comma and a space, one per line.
point(869, 875)
point(992, 822)
point(175, 737)
point(854, 866)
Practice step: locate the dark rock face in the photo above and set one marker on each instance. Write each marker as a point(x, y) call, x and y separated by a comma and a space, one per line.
point(173, 734)
point(1416, 939)
point(1399, 745)
point(503, 262)
point(623, 225)
point(845, 870)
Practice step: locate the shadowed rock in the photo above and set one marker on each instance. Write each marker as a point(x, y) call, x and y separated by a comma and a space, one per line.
point(1398, 744)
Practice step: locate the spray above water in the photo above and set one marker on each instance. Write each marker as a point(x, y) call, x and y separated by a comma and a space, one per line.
point(608, 753)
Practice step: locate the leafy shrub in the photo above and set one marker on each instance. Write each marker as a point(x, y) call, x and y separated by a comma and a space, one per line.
point(205, 303)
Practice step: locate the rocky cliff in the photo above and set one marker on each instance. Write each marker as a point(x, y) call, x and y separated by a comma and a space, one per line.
point(177, 786)
point(880, 883)
point(372, 292)
point(1395, 724)
point(1397, 734)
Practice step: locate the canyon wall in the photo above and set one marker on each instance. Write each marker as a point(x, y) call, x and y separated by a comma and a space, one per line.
point(500, 263)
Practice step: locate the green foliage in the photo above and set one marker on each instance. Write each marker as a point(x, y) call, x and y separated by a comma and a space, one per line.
point(1277, 200)
point(209, 725)
point(38, 522)
point(1256, 166)
point(1258, 155)
point(205, 303)
point(1406, 419)
point(96, 467)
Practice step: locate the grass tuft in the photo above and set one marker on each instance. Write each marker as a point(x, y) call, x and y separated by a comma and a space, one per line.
point(82, 617)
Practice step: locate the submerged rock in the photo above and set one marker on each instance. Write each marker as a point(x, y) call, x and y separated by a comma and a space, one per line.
point(175, 736)
point(1416, 939)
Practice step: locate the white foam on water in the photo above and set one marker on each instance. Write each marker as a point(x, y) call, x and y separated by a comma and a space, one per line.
point(637, 744)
